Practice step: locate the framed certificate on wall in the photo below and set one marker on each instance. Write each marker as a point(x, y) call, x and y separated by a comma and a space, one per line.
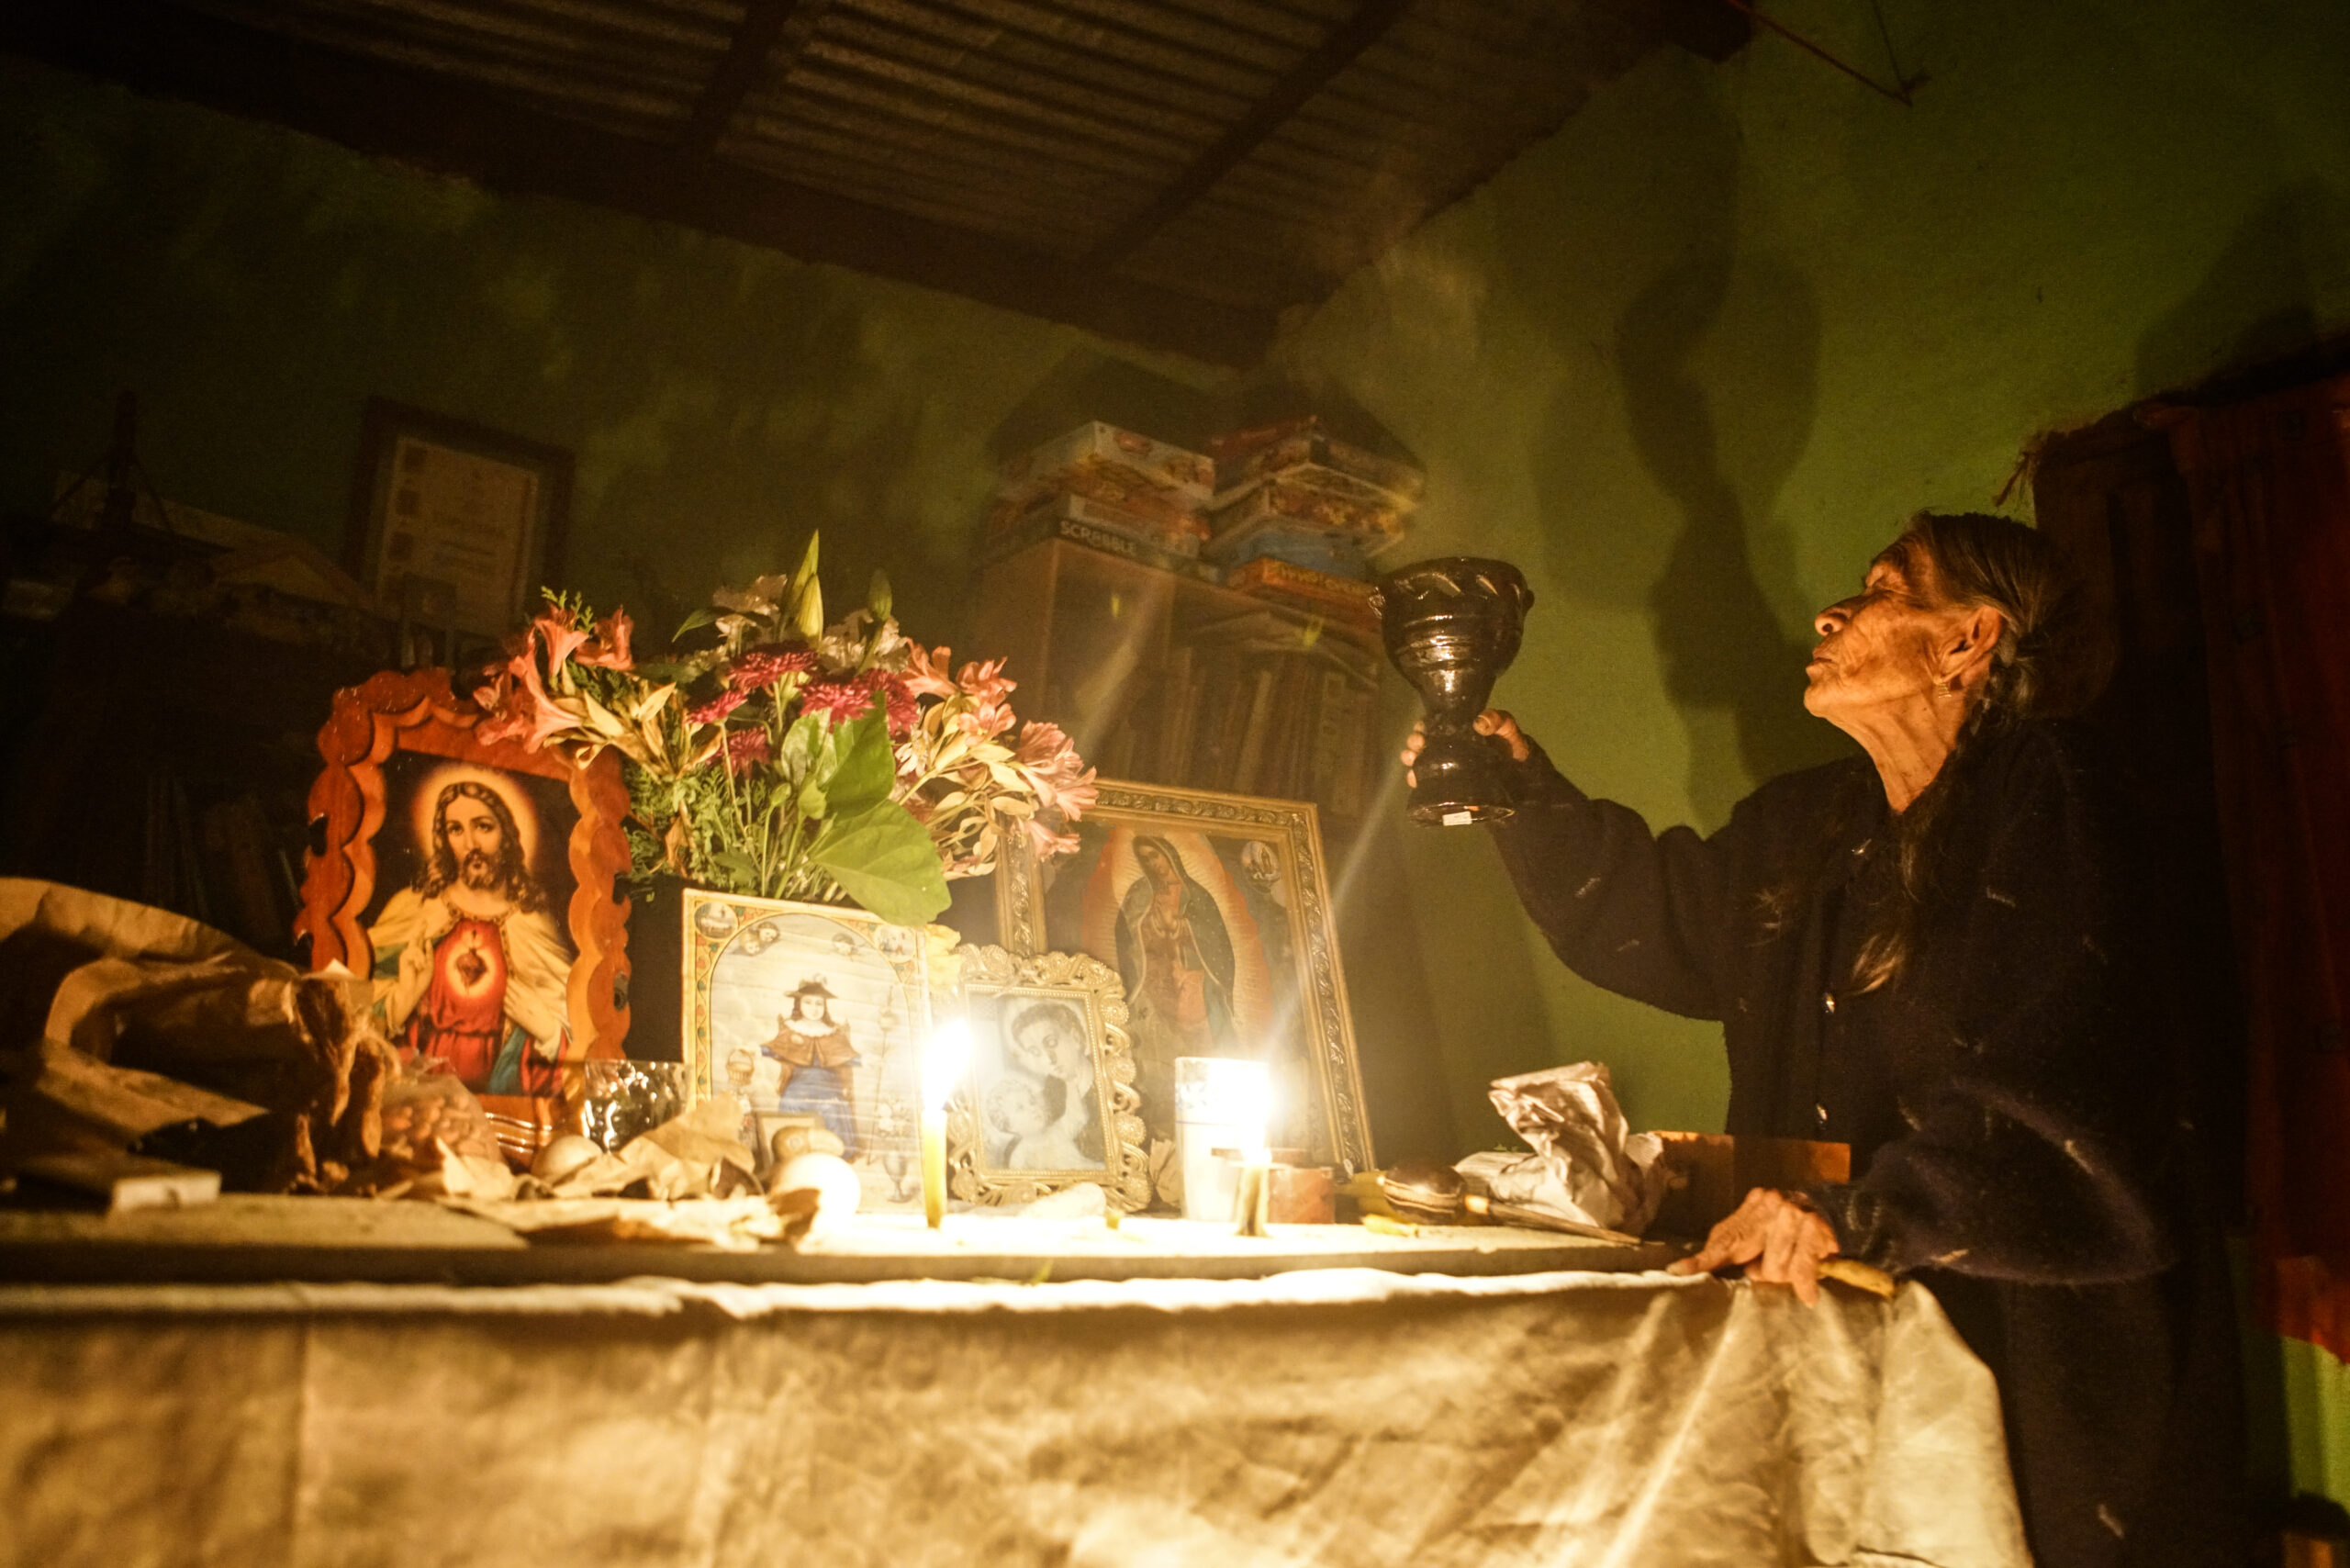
point(454, 523)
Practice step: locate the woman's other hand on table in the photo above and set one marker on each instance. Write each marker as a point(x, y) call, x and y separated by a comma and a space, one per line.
point(1779, 1239)
point(1492, 722)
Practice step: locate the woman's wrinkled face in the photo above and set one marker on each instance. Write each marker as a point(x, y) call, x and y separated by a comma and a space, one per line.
point(1882, 649)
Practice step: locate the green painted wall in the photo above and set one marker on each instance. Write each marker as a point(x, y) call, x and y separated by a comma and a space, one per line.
point(1691, 361)
point(256, 287)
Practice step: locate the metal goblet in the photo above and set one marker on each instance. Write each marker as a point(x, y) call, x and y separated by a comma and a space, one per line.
point(1451, 626)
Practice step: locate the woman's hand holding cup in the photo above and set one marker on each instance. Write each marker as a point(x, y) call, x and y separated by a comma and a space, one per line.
point(1492, 722)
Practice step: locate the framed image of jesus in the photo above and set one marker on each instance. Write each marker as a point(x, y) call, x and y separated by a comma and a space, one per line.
point(474, 884)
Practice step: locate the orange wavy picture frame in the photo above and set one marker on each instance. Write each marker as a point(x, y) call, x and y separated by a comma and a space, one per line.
point(416, 711)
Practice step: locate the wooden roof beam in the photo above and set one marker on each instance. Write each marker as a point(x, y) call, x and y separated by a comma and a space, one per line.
point(1345, 43)
point(394, 111)
point(755, 36)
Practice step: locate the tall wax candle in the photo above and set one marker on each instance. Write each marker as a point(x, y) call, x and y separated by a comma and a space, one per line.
point(943, 1057)
point(934, 1167)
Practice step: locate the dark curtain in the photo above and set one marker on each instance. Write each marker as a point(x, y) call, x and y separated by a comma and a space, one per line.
point(2269, 488)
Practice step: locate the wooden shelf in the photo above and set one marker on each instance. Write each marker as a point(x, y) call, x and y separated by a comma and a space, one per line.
point(1099, 641)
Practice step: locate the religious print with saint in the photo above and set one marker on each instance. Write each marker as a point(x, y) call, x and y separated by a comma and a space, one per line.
point(472, 956)
point(1214, 912)
point(473, 882)
point(811, 1015)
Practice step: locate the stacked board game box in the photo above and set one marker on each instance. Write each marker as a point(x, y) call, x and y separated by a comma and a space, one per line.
point(1299, 514)
point(1099, 484)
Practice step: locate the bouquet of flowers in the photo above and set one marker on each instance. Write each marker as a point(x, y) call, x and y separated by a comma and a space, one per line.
point(796, 759)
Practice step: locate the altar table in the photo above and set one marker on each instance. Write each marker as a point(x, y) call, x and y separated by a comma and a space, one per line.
point(1347, 1416)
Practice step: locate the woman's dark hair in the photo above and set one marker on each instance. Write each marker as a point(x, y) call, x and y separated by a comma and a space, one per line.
point(2041, 668)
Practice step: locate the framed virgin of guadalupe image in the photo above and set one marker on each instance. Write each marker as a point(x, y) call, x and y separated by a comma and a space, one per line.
point(1048, 1100)
point(801, 1011)
point(474, 882)
point(1214, 911)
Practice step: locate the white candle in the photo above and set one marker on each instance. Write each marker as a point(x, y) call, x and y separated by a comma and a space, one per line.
point(1220, 1103)
point(943, 1057)
point(1259, 1091)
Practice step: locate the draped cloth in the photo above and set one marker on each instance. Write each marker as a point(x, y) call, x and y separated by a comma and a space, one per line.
point(1348, 1418)
point(2269, 481)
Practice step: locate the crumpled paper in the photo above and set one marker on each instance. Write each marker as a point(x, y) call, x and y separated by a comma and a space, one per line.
point(693, 1171)
point(689, 1181)
point(120, 1021)
point(1587, 1164)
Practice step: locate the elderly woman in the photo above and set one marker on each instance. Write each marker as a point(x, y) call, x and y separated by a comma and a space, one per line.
point(1940, 955)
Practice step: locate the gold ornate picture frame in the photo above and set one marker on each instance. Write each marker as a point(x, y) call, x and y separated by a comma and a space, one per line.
point(1215, 913)
point(1048, 1100)
point(802, 1010)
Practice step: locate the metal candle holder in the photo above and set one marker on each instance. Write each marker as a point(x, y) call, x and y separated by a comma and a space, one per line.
point(1451, 626)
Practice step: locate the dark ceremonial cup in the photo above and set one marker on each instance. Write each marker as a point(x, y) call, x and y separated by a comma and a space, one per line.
point(1451, 626)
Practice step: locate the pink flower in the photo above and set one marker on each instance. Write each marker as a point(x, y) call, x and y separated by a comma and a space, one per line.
point(762, 667)
point(495, 698)
point(1048, 760)
point(985, 681)
point(538, 717)
point(1047, 841)
point(746, 748)
point(608, 648)
point(985, 686)
point(843, 700)
point(562, 638)
point(716, 709)
point(927, 673)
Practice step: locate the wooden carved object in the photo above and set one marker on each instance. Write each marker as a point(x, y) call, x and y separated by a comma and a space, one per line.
point(417, 711)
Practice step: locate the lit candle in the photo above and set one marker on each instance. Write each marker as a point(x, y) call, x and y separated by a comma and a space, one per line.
point(1258, 1092)
point(1254, 1195)
point(942, 1067)
point(1220, 1103)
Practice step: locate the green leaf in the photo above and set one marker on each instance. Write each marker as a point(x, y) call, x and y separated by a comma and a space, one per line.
point(827, 757)
point(883, 859)
point(694, 622)
point(812, 801)
point(877, 597)
point(797, 755)
point(868, 765)
point(740, 866)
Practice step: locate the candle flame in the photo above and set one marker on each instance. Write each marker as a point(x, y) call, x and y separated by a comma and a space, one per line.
point(942, 1059)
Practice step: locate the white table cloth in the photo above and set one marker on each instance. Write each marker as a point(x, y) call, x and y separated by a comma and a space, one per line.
point(1348, 1418)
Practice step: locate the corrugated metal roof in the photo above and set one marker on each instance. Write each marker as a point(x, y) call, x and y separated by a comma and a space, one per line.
point(1240, 154)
